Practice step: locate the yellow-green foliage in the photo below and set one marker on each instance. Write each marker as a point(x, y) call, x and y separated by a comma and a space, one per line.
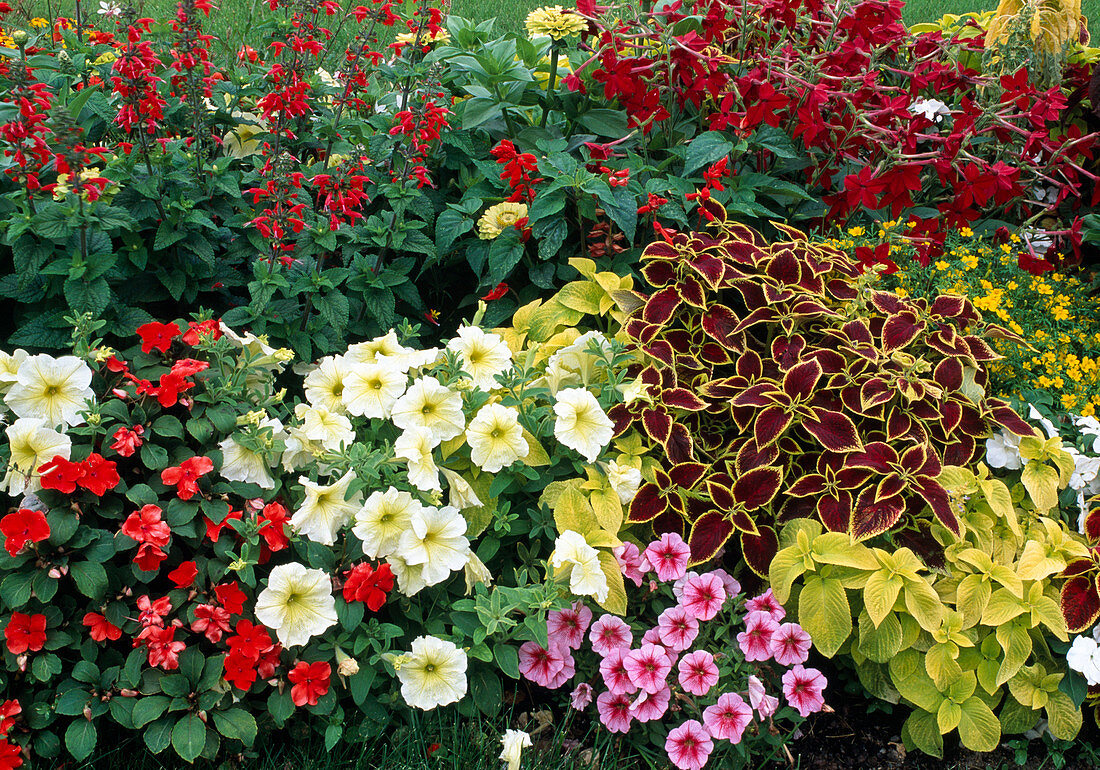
point(966, 644)
point(1037, 34)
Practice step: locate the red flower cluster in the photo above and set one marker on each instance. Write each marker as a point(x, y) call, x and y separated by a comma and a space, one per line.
point(368, 584)
point(519, 168)
point(25, 633)
point(127, 440)
point(135, 82)
point(251, 654)
point(21, 527)
point(158, 639)
point(151, 532)
point(197, 330)
point(157, 336)
point(310, 680)
point(9, 709)
point(95, 474)
point(185, 476)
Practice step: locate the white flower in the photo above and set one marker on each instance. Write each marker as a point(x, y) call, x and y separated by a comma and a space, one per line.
point(242, 464)
point(368, 352)
point(496, 438)
point(382, 519)
point(514, 741)
point(427, 404)
point(324, 386)
point(484, 355)
point(260, 354)
point(329, 429)
point(933, 109)
point(578, 362)
point(371, 389)
point(476, 572)
point(32, 442)
point(1085, 469)
point(586, 576)
point(624, 480)
point(55, 389)
point(109, 9)
point(415, 447)
point(581, 424)
point(435, 539)
point(1089, 426)
point(297, 603)
point(432, 674)
point(9, 368)
point(1083, 657)
point(462, 494)
point(410, 577)
point(1036, 416)
point(325, 511)
point(1003, 451)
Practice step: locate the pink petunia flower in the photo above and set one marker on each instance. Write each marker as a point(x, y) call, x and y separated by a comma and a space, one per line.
point(756, 639)
point(703, 596)
point(677, 628)
point(766, 602)
point(728, 717)
point(568, 668)
point(647, 667)
point(613, 671)
point(649, 706)
point(652, 636)
point(567, 627)
point(729, 582)
point(678, 586)
point(764, 704)
point(790, 645)
point(697, 672)
point(668, 556)
point(539, 664)
point(614, 711)
point(689, 746)
point(802, 687)
point(609, 633)
point(581, 696)
point(630, 562)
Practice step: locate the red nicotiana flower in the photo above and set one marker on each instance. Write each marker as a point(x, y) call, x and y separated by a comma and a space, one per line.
point(368, 584)
point(186, 475)
point(21, 527)
point(127, 440)
point(157, 335)
point(25, 633)
point(184, 575)
point(500, 290)
point(310, 680)
point(100, 629)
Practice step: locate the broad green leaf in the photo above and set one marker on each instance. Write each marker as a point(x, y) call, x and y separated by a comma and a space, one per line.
point(149, 708)
point(971, 598)
point(948, 716)
point(941, 665)
point(1016, 718)
point(80, 738)
point(189, 737)
point(1041, 483)
point(1063, 717)
point(880, 593)
point(912, 681)
point(924, 731)
point(979, 729)
point(236, 723)
point(882, 643)
point(786, 567)
point(825, 613)
point(837, 548)
point(1037, 562)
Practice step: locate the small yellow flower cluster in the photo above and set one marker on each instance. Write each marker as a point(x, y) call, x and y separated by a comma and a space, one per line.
point(1053, 312)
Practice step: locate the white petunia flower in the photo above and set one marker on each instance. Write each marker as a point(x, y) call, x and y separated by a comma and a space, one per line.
point(462, 494)
point(427, 404)
point(325, 511)
point(496, 438)
point(625, 480)
point(414, 446)
point(432, 674)
point(9, 368)
point(32, 443)
point(297, 604)
point(242, 464)
point(582, 424)
point(410, 577)
point(1083, 657)
point(484, 355)
point(55, 389)
point(368, 352)
point(329, 429)
point(435, 539)
point(371, 389)
point(586, 576)
point(324, 386)
point(260, 354)
point(382, 519)
point(575, 365)
point(476, 572)
point(1089, 426)
point(513, 741)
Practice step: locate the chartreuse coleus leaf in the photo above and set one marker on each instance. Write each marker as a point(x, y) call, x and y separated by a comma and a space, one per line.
point(974, 590)
point(807, 547)
point(897, 574)
point(1048, 550)
point(941, 660)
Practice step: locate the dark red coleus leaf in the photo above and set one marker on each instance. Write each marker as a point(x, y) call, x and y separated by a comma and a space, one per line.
point(709, 534)
point(721, 494)
point(948, 306)
point(661, 350)
point(752, 455)
point(679, 446)
point(647, 504)
point(940, 503)
point(758, 316)
point(878, 456)
point(719, 323)
point(659, 273)
point(691, 292)
point(810, 484)
point(1080, 602)
point(1007, 418)
point(682, 398)
point(872, 517)
point(710, 268)
point(888, 302)
point(834, 430)
point(661, 306)
point(900, 329)
point(669, 521)
point(874, 392)
point(836, 512)
point(801, 379)
point(760, 549)
point(949, 374)
point(757, 487)
point(1092, 523)
point(980, 349)
point(658, 424)
point(687, 475)
point(770, 424)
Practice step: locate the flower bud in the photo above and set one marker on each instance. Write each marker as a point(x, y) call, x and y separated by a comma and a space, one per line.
point(345, 664)
point(20, 37)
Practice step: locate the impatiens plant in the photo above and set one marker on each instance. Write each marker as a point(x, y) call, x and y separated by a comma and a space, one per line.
point(199, 554)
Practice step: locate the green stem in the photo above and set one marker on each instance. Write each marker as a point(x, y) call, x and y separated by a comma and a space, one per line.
point(550, 83)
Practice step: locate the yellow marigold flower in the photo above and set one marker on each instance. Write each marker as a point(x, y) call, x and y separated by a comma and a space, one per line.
point(970, 261)
point(856, 232)
point(426, 38)
point(498, 218)
point(966, 232)
point(941, 265)
point(554, 22)
point(38, 22)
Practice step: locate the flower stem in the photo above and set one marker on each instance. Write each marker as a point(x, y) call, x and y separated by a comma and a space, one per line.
point(550, 83)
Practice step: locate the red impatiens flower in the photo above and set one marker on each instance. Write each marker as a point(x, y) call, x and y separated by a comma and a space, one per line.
point(153, 612)
point(61, 474)
point(250, 641)
point(214, 531)
point(127, 440)
point(22, 527)
point(10, 755)
point(25, 632)
point(239, 670)
point(368, 584)
point(269, 661)
point(9, 709)
point(231, 597)
point(99, 475)
point(100, 629)
point(149, 557)
point(311, 681)
point(146, 526)
point(164, 650)
point(209, 330)
point(211, 622)
point(184, 575)
point(272, 520)
point(157, 335)
point(95, 474)
point(186, 475)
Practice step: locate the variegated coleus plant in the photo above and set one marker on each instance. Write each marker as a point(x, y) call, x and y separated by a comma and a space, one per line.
point(781, 383)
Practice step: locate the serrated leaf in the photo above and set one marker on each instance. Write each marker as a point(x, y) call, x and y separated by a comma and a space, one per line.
point(979, 729)
point(825, 614)
point(1063, 718)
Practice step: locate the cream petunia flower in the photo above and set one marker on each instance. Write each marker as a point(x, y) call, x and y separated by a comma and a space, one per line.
point(324, 385)
point(297, 604)
point(582, 424)
point(410, 577)
point(55, 389)
point(462, 494)
point(484, 355)
point(325, 510)
point(240, 463)
point(496, 438)
point(432, 674)
point(372, 388)
point(260, 353)
point(513, 742)
point(414, 446)
point(9, 368)
point(624, 480)
point(329, 429)
point(33, 443)
point(499, 218)
point(427, 404)
point(382, 519)
point(369, 351)
point(586, 576)
point(476, 572)
point(551, 21)
point(574, 365)
point(435, 539)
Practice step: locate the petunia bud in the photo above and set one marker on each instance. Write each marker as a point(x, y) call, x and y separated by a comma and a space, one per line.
point(345, 664)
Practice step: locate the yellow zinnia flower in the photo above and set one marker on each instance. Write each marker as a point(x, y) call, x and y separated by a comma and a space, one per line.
point(498, 218)
point(38, 22)
point(554, 22)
